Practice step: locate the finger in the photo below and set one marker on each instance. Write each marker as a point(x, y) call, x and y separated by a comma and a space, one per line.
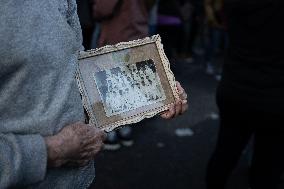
point(97, 138)
point(82, 130)
point(91, 130)
point(93, 152)
point(85, 155)
point(94, 147)
point(182, 93)
point(184, 106)
point(183, 96)
point(86, 140)
point(170, 113)
point(96, 131)
point(164, 115)
point(178, 108)
point(92, 134)
point(180, 89)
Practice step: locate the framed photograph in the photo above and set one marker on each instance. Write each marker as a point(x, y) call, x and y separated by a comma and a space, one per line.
point(125, 83)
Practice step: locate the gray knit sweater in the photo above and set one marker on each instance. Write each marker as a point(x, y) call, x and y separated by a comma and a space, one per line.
point(39, 40)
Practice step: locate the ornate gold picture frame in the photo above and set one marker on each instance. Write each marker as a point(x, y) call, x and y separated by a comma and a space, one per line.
point(125, 83)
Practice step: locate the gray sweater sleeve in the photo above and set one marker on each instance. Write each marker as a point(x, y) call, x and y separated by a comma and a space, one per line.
point(73, 21)
point(23, 159)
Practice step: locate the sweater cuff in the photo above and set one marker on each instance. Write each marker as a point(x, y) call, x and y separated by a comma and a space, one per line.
point(34, 153)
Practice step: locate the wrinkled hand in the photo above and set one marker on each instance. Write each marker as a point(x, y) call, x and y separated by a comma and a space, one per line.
point(74, 145)
point(179, 107)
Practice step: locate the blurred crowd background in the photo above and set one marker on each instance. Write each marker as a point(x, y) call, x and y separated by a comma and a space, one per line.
point(166, 154)
point(189, 28)
point(192, 31)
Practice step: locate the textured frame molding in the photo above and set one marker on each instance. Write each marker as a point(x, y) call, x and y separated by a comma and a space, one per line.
point(121, 46)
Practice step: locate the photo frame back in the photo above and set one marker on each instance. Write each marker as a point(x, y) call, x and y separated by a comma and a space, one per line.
point(125, 83)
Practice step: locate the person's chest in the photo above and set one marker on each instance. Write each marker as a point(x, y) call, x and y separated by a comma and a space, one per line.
point(33, 29)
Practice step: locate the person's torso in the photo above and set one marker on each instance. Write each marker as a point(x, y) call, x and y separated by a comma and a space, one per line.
point(130, 22)
point(254, 64)
point(38, 92)
point(38, 61)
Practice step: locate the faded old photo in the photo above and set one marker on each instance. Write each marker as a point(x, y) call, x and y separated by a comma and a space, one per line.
point(129, 87)
point(125, 83)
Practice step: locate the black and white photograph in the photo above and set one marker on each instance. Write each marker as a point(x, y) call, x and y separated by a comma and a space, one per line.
point(129, 87)
point(126, 83)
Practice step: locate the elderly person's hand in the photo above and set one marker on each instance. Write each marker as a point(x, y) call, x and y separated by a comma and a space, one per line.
point(179, 107)
point(74, 145)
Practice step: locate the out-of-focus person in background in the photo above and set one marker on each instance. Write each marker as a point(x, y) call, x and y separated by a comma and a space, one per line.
point(186, 12)
point(216, 30)
point(122, 20)
point(153, 18)
point(44, 141)
point(169, 26)
point(195, 43)
point(250, 94)
point(86, 21)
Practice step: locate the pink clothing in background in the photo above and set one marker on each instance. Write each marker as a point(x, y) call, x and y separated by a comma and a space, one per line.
point(129, 22)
